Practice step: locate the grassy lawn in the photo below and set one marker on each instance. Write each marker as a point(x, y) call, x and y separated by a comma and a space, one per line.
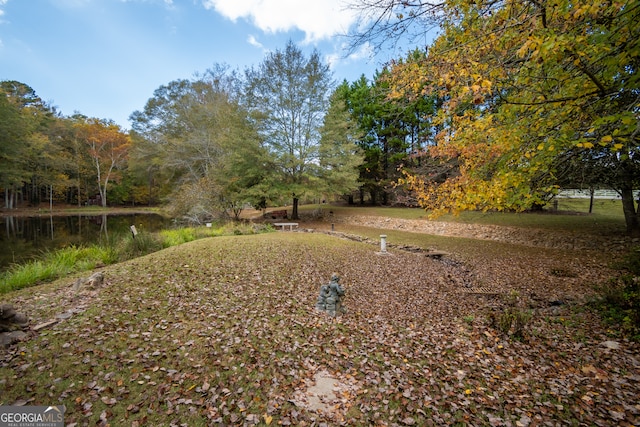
point(573, 214)
point(222, 331)
point(43, 209)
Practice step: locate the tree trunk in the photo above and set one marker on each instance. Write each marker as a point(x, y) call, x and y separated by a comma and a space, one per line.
point(630, 212)
point(592, 192)
point(12, 198)
point(103, 193)
point(294, 210)
point(79, 193)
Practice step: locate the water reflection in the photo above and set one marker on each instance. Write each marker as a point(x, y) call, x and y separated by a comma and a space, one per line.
point(22, 238)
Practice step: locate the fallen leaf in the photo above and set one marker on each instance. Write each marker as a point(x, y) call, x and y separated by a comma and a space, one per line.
point(108, 400)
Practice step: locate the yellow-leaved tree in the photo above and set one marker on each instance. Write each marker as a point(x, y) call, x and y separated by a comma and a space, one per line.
point(108, 147)
point(536, 93)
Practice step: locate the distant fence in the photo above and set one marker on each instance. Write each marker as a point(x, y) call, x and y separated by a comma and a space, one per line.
point(597, 194)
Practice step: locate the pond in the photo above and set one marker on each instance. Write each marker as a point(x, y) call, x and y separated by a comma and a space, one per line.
point(23, 238)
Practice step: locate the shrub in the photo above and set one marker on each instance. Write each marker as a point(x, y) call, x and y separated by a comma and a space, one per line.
point(143, 243)
point(513, 319)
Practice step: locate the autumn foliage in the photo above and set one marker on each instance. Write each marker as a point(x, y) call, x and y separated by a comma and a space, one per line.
point(108, 148)
point(533, 93)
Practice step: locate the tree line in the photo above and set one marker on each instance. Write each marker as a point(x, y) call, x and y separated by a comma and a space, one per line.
point(511, 101)
point(47, 157)
point(209, 146)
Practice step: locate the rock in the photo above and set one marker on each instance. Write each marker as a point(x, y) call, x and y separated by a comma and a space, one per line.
point(65, 315)
point(92, 282)
point(8, 338)
point(10, 319)
point(7, 311)
point(612, 345)
point(20, 319)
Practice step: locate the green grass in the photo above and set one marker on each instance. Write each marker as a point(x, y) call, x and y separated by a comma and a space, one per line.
point(572, 214)
point(56, 264)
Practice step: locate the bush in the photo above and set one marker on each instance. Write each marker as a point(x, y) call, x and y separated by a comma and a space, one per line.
point(512, 321)
point(143, 243)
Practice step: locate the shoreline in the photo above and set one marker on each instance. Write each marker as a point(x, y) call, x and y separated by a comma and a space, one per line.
point(74, 210)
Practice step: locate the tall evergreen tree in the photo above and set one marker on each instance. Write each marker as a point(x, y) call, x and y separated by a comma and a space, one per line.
point(339, 153)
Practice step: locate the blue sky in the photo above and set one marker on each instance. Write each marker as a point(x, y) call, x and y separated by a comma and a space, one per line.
point(104, 58)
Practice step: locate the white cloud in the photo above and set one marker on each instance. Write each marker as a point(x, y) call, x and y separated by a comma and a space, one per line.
point(3, 3)
point(318, 19)
point(364, 52)
point(254, 42)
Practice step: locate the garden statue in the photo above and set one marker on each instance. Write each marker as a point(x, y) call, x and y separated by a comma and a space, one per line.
point(330, 297)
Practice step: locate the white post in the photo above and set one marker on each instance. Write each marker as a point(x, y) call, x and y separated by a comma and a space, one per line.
point(383, 243)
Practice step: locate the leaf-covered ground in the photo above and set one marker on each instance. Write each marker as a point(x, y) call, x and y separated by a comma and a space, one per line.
point(223, 331)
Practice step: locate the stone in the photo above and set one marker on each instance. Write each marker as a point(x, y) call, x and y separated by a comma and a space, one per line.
point(92, 282)
point(65, 315)
point(322, 394)
point(8, 338)
point(7, 311)
point(20, 319)
point(10, 319)
point(321, 303)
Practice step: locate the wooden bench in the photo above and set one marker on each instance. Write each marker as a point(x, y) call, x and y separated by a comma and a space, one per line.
point(286, 224)
point(277, 214)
